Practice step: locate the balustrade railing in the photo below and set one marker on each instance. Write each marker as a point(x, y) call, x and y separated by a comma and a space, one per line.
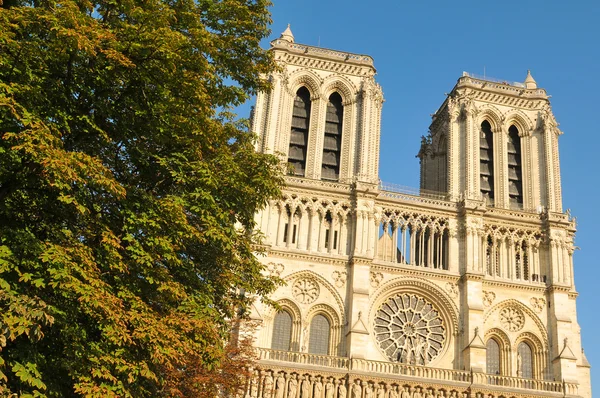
point(421, 372)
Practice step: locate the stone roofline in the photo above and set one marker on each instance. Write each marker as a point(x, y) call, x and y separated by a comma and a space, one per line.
point(483, 86)
point(323, 53)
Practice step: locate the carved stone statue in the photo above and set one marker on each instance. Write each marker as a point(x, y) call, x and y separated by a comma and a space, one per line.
point(394, 392)
point(305, 387)
point(368, 390)
point(292, 387)
point(342, 389)
point(318, 388)
point(429, 394)
point(405, 393)
point(280, 386)
point(519, 364)
point(441, 394)
point(253, 388)
point(417, 393)
point(381, 391)
point(356, 389)
point(268, 386)
point(329, 389)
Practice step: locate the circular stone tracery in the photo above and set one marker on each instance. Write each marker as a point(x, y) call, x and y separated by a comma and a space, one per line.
point(305, 290)
point(409, 329)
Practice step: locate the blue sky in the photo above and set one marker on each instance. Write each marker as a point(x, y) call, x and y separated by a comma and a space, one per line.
point(422, 47)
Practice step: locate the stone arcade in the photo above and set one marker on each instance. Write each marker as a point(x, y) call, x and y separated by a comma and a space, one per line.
point(462, 289)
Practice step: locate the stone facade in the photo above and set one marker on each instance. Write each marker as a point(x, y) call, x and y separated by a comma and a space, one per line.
point(463, 288)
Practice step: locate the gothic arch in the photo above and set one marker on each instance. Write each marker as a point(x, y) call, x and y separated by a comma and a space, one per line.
point(538, 350)
point(306, 78)
point(291, 307)
point(534, 341)
point(526, 310)
point(520, 120)
point(335, 335)
point(492, 115)
point(322, 282)
point(341, 85)
point(505, 348)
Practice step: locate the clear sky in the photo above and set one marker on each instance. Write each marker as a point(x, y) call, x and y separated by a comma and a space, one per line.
point(421, 48)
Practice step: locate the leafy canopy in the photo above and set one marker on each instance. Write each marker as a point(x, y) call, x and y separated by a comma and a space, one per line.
point(127, 192)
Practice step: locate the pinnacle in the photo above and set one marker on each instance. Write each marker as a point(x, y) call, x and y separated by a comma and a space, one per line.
point(287, 34)
point(530, 81)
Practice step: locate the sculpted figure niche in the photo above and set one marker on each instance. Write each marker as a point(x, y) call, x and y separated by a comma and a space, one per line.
point(292, 387)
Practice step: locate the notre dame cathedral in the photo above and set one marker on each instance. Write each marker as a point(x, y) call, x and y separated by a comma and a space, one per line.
point(463, 288)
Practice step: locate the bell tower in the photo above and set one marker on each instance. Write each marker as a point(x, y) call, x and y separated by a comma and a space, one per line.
point(322, 114)
point(495, 141)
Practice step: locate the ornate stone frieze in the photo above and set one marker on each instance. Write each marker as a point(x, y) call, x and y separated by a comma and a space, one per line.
point(375, 278)
point(339, 278)
point(452, 290)
point(275, 269)
point(538, 304)
point(488, 298)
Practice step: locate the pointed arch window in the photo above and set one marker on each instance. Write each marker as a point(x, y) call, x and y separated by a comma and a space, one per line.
point(299, 132)
point(524, 361)
point(515, 176)
point(332, 144)
point(282, 331)
point(492, 357)
point(486, 162)
point(319, 335)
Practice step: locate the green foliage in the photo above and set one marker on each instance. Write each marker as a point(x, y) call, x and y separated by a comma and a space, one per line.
point(127, 191)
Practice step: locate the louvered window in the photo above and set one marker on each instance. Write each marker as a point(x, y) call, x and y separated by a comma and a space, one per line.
point(332, 143)
point(486, 162)
point(319, 336)
point(299, 133)
point(515, 177)
point(282, 331)
point(525, 361)
point(492, 357)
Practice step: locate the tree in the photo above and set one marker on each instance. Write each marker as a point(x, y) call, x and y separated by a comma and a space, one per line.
point(127, 191)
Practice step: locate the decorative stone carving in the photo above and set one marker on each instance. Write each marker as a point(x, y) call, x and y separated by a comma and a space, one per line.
point(375, 278)
point(339, 278)
point(488, 298)
point(512, 319)
point(305, 290)
point(275, 269)
point(452, 289)
point(538, 304)
point(409, 329)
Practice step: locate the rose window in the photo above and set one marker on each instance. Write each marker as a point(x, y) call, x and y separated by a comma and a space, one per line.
point(512, 319)
point(305, 291)
point(409, 330)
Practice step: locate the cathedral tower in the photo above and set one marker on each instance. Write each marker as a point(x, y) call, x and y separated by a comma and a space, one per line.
point(465, 290)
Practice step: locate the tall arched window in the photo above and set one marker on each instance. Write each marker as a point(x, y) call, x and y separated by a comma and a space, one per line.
point(282, 331)
point(299, 133)
point(332, 144)
point(524, 361)
point(492, 357)
point(486, 162)
point(319, 335)
point(515, 176)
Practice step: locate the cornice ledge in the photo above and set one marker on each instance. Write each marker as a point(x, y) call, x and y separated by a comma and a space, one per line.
point(313, 257)
point(468, 276)
point(404, 270)
point(358, 260)
point(558, 289)
point(513, 285)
